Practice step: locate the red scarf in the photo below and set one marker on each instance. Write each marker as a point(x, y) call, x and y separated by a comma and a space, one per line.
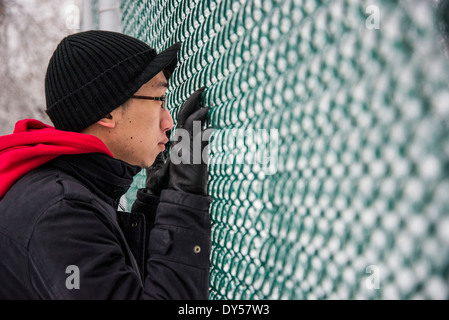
point(34, 143)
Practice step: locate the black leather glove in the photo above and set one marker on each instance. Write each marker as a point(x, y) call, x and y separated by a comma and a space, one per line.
point(157, 174)
point(183, 174)
point(189, 172)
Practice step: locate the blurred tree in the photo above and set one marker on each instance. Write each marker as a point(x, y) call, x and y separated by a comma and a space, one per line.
point(29, 32)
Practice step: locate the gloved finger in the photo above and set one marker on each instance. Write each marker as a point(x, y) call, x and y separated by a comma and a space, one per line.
point(168, 134)
point(192, 104)
point(157, 176)
point(158, 162)
point(199, 115)
point(156, 166)
point(168, 144)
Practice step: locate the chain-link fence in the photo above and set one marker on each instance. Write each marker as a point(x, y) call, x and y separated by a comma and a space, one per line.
point(354, 98)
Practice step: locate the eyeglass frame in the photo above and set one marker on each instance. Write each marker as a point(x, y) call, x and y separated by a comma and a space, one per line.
point(162, 98)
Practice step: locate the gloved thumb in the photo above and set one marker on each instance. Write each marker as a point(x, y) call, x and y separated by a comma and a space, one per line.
point(199, 115)
point(192, 104)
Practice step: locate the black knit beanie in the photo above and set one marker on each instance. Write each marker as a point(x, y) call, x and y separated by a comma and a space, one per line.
point(94, 72)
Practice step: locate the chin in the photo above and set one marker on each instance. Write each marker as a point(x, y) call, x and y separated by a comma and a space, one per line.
point(148, 163)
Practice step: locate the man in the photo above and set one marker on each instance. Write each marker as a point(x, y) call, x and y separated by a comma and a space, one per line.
point(61, 236)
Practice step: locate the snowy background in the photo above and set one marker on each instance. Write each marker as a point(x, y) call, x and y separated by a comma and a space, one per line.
point(30, 30)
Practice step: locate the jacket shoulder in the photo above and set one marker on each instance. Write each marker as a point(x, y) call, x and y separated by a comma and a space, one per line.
point(74, 190)
point(32, 195)
point(46, 185)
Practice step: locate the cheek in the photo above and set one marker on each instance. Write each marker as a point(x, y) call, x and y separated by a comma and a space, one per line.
point(143, 130)
point(144, 137)
point(143, 125)
point(147, 119)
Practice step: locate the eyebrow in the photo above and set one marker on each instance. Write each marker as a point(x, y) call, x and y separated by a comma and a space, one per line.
point(163, 84)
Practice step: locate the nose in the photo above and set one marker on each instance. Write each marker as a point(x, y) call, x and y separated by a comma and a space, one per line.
point(166, 121)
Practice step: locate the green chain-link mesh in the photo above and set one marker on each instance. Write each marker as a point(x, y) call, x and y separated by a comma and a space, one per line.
point(95, 17)
point(358, 205)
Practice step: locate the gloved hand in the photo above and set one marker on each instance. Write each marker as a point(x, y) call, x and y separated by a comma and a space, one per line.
point(188, 172)
point(157, 174)
point(179, 171)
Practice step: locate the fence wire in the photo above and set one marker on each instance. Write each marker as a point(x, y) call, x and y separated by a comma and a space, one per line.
point(354, 202)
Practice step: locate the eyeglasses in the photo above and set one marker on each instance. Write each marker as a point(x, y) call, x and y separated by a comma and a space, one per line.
point(163, 99)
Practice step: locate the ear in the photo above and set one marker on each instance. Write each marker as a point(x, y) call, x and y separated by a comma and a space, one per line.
point(108, 121)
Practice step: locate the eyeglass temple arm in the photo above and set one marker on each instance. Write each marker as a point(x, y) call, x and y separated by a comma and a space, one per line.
point(150, 98)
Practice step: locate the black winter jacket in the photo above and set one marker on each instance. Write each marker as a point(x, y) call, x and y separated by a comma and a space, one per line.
point(61, 236)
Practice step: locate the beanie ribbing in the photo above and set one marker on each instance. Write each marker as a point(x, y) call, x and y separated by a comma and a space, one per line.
point(94, 72)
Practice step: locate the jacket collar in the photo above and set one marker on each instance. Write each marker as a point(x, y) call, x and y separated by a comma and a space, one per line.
point(105, 176)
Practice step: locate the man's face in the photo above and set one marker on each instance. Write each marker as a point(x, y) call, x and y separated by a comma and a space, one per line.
point(142, 125)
